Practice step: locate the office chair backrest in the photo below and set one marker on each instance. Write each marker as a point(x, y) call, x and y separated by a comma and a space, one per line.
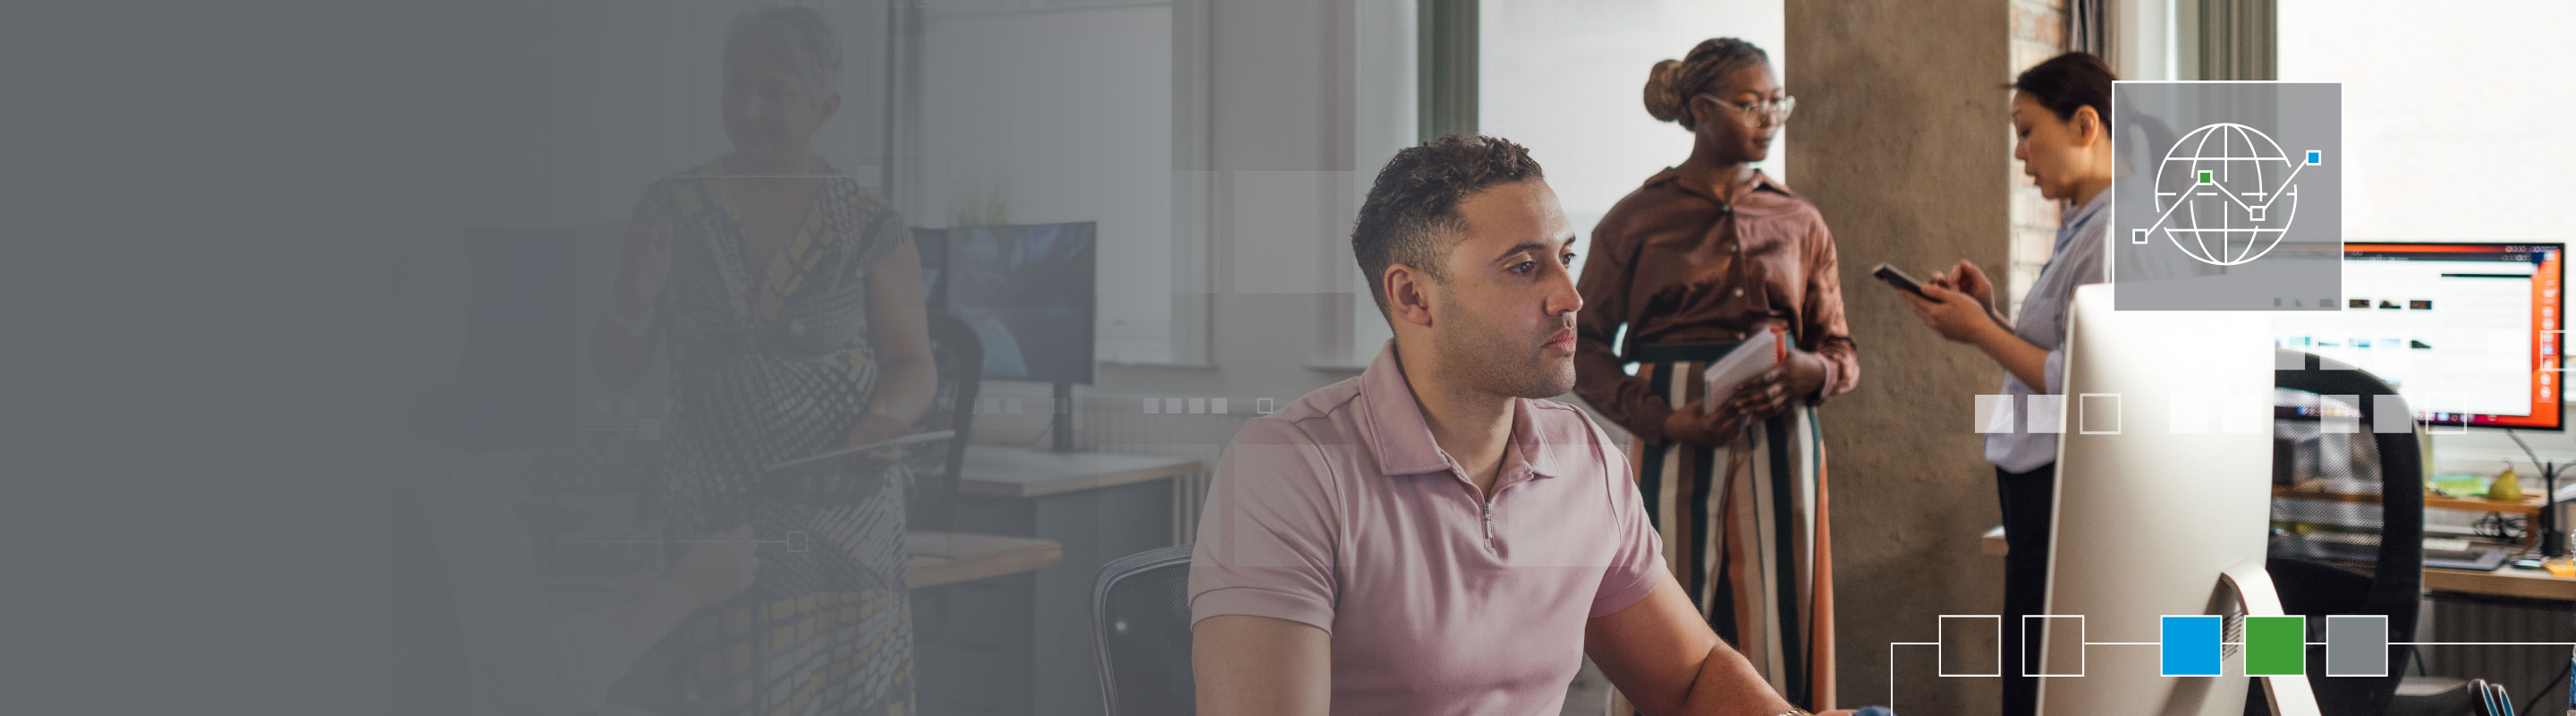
point(960, 357)
point(1141, 631)
point(2394, 587)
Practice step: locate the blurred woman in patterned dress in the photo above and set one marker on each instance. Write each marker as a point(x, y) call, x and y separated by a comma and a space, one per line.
point(789, 301)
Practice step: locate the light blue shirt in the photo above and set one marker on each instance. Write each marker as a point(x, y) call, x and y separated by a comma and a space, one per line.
point(2076, 261)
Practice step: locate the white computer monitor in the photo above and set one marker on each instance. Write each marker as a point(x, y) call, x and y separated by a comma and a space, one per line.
point(2163, 498)
point(2470, 333)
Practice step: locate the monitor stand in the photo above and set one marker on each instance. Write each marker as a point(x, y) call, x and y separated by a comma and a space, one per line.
point(2252, 585)
point(1062, 425)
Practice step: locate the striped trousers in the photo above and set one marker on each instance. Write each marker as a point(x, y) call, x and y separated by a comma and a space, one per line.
point(1745, 531)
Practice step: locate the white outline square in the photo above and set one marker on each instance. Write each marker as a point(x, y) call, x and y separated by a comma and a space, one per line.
point(1943, 644)
point(2137, 236)
point(2549, 362)
point(2383, 643)
point(2459, 423)
point(1262, 406)
point(2254, 212)
point(2079, 642)
point(2080, 411)
point(2161, 641)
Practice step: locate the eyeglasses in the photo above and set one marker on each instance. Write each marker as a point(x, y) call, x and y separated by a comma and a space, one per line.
point(1756, 112)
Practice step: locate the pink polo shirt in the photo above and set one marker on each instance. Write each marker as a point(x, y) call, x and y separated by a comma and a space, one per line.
point(1340, 512)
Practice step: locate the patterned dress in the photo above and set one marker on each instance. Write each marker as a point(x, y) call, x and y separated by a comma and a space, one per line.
point(773, 363)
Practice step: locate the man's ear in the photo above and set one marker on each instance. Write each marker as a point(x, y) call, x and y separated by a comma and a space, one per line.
point(1408, 294)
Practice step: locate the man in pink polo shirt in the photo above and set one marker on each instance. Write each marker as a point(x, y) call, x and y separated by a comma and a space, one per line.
point(1434, 536)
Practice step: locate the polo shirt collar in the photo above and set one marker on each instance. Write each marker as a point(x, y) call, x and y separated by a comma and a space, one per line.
point(1401, 439)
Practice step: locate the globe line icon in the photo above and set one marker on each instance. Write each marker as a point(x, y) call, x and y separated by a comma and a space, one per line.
point(2216, 192)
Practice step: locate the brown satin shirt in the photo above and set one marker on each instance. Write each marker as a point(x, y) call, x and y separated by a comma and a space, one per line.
point(1679, 266)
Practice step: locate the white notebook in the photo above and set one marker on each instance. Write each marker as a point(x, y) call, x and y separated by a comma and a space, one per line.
point(1748, 359)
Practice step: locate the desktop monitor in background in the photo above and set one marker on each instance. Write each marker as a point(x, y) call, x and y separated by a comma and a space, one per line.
point(1028, 292)
point(2470, 333)
point(2163, 503)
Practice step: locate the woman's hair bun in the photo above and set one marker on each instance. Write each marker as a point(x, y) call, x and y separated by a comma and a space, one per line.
point(1663, 95)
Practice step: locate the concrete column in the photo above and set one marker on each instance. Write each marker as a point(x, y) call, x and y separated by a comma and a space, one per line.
point(1903, 140)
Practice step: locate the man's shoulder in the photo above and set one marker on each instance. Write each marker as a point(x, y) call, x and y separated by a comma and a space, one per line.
point(1319, 418)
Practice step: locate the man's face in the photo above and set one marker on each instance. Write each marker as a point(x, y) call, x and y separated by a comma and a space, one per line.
point(1505, 314)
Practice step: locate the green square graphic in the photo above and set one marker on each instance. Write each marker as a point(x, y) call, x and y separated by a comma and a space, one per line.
point(2204, 177)
point(2276, 646)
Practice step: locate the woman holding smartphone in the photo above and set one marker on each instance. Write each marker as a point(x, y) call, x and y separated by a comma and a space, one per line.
point(1704, 257)
point(2061, 114)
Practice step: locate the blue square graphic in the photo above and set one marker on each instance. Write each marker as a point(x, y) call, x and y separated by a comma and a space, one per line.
point(2316, 157)
point(2190, 646)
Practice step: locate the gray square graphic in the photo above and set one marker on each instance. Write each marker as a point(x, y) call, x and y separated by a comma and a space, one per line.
point(2226, 196)
point(2356, 645)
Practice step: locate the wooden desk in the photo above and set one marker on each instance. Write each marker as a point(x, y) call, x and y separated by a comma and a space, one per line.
point(1010, 472)
point(2504, 582)
point(2528, 505)
point(939, 558)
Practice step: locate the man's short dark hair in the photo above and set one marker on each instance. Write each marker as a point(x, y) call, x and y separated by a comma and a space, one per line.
point(1411, 215)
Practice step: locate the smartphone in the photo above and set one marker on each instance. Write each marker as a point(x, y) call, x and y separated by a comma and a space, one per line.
point(1897, 278)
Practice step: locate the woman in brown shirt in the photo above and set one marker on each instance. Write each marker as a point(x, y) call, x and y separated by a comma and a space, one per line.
point(1697, 260)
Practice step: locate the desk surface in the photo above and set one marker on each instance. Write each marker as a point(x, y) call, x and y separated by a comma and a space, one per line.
point(2506, 582)
point(993, 471)
point(950, 557)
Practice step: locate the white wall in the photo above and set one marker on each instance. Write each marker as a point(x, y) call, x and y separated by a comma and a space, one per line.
point(2453, 130)
point(1567, 80)
point(1068, 117)
point(1280, 149)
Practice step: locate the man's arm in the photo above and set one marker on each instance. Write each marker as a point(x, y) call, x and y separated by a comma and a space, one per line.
point(1663, 657)
point(1248, 666)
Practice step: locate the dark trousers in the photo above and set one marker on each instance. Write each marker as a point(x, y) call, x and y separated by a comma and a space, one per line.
point(2027, 499)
